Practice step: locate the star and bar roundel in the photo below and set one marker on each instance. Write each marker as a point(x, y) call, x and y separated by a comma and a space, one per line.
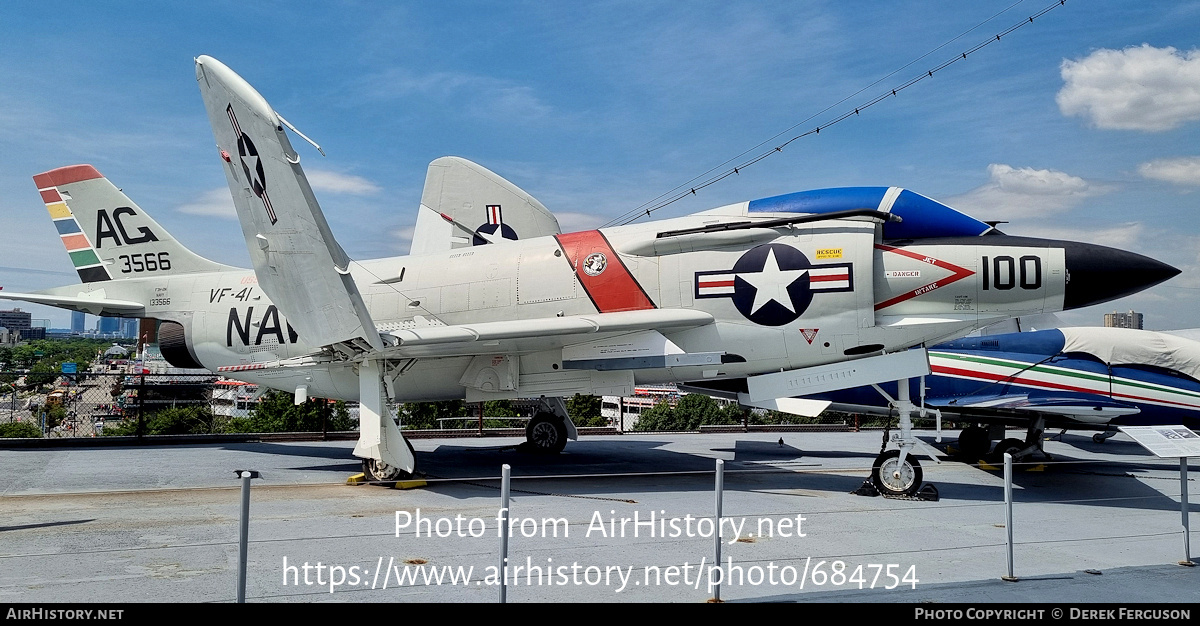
point(773, 284)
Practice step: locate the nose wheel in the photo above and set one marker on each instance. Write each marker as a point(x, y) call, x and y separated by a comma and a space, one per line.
point(893, 478)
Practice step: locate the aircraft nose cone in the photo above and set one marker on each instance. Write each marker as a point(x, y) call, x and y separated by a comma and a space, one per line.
point(1098, 274)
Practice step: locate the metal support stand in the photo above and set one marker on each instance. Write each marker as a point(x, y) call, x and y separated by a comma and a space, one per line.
point(1183, 507)
point(720, 489)
point(1008, 518)
point(506, 475)
point(244, 531)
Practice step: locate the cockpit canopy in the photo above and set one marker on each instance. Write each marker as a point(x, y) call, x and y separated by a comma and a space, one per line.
point(923, 217)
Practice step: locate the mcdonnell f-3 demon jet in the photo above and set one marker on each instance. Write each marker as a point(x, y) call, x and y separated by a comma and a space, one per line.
point(762, 300)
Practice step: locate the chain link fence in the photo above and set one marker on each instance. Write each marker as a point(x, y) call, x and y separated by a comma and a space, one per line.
point(88, 404)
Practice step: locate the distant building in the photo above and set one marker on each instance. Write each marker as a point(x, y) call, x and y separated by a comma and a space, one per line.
point(16, 320)
point(129, 328)
point(108, 326)
point(1132, 319)
point(77, 322)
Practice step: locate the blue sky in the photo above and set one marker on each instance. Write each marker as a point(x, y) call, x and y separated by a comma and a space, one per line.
point(1083, 125)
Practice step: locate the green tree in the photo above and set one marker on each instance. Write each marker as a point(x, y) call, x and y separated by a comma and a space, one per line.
point(690, 413)
point(585, 410)
point(42, 373)
point(499, 408)
point(425, 415)
point(22, 430)
point(659, 417)
point(277, 412)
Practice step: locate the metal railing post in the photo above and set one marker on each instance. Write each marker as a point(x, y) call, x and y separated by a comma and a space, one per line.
point(1183, 507)
point(1008, 517)
point(506, 475)
point(244, 532)
point(720, 489)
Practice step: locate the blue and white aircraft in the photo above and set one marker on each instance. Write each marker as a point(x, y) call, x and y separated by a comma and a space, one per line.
point(1068, 378)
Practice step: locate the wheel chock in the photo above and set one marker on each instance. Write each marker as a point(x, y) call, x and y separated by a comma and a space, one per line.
point(408, 484)
point(357, 479)
point(928, 493)
point(867, 489)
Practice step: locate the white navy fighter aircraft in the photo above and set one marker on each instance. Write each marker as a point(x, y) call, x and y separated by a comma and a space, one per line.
point(766, 300)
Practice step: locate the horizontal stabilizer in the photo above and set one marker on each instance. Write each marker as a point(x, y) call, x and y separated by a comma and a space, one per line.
point(298, 262)
point(95, 306)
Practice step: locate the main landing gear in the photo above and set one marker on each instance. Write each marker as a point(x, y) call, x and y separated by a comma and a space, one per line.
point(376, 470)
point(550, 428)
point(974, 443)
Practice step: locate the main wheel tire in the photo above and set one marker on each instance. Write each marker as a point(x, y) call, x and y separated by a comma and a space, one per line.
point(546, 433)
point(1011, 446)
point(1099, 438)
point(973, 443)
point(895, 479)
point(378, 471)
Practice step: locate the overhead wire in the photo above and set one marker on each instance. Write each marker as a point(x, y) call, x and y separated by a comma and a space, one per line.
point(707, 179)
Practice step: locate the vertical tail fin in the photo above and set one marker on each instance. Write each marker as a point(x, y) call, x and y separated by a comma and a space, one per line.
point(107, 236)
point(466, 204)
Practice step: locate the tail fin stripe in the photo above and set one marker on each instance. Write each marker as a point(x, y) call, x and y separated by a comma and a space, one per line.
point(93, 274)
point(50, 195)
point(78, 241)
point(84, 258)
point(67, 227)
point(58, 210)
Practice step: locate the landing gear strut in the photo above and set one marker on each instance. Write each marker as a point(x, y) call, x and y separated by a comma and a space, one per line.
point(897, 472)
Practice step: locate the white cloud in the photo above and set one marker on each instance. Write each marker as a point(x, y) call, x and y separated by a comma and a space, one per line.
point(1124, 236)
point(1138, 88)
point(333, 182)
point(1025, 192)
point(1181, 171)
point(482, 96)
point(405, 234)
point(574, 222)
point(214, 203)
point(219, 203)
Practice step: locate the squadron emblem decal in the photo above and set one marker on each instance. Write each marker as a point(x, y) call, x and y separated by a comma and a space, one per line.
point(252, 165)
point(595, 264)
point(773, 284)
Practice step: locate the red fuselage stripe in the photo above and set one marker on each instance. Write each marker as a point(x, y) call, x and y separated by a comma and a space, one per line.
point(613, 289)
